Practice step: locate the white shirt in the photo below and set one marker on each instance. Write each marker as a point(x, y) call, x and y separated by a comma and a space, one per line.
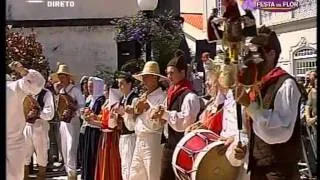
point(230, 127)
point(47, 112)
point(229, 118)
point(16, 92)
point(143, 123)
point(190, 108)
point(277, 125)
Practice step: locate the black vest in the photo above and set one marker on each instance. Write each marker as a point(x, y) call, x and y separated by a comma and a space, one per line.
point(128, 101)
point(40, 98)
point(173, 136)
point(262, 154)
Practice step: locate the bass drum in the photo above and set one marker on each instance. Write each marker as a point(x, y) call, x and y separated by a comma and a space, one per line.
point(196, 157)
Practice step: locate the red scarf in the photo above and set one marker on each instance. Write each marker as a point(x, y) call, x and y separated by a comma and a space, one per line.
point(268, 79)
point(175, 90)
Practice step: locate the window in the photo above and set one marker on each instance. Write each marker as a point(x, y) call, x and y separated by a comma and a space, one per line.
point(304, 60)
point(304, 52)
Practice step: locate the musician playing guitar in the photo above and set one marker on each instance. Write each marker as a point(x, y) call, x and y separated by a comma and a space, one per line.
point(70, 123)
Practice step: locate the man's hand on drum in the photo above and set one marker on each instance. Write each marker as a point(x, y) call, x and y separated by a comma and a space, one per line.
point(241, 96)
point(227, 141)
point(240, 151)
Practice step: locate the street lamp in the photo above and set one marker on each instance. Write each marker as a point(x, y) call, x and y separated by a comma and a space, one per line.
point(147, 7)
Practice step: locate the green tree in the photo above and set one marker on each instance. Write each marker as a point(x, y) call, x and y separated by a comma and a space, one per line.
point(27, 50)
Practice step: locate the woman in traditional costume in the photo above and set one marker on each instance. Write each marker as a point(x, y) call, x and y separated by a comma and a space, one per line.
point(211, 117)
point(92, 131)
point(108, 164)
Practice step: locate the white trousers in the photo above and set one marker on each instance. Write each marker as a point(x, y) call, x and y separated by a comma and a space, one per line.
point(37, 140)
point(69, 143)
point(126, 147)
point(146, 161)
point(15, 163)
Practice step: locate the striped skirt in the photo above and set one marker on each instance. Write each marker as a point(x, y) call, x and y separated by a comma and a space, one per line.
point(108, 165)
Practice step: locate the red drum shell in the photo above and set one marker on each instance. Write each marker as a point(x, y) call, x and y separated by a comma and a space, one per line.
point(195, 155)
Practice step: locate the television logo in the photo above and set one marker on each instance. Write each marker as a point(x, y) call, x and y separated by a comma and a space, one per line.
point(277, 5)
point(54, 4)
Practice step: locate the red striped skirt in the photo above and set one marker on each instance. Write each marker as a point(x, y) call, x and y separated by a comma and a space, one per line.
point(108, 165)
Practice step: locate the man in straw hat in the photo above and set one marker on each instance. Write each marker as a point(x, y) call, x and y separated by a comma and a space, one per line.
point(146, 157)
point(31, 83)
point(182, 108)
point(275, 127)
point(69, 131)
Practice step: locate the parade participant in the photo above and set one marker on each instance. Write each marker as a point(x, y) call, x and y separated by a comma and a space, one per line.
point(69, 128)
point(92, 132)
point(36, 134)
point(182, 108)
point(235, 153)
point(31, 83)
point(146, 159)
point(87, 96)
point(211, 117)
point(127, 137)
point(108, 166)
point(275, 127)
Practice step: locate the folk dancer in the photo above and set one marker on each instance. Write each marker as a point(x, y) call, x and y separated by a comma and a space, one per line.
point(108, 166)
point(92, 131)
point(211, 117)
point(31, 83)
point(274, 128)
point(87, 97)
point(146, 161)
point(182, 108)
point(37, 134)
point(69, 131)
point(127, 139)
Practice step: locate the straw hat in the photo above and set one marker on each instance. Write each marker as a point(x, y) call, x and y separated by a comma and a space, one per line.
point(62, 69)
point(151, 67)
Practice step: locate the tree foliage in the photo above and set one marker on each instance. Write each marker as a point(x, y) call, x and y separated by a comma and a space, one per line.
point(162, 30)
point(27, 50)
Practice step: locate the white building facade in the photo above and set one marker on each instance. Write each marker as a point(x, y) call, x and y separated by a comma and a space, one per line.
point(296, 31)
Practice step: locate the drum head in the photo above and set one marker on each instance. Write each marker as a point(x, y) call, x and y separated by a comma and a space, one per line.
point(213, 166)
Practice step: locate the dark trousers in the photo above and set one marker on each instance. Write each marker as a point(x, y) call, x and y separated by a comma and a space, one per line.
point(276, 172)
point(90, 149)
point(166, 165)
point(55, 146)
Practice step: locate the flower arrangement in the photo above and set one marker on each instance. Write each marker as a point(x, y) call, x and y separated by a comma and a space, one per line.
point(162, 30)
